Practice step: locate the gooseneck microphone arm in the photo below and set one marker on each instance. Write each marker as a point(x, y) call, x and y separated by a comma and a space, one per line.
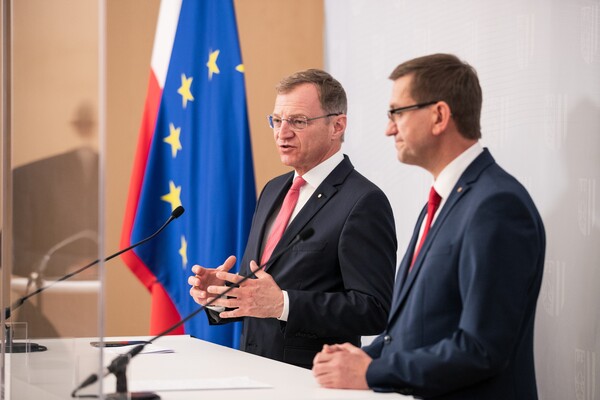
point(19, 302)
point(37, 274)
point(119, 364)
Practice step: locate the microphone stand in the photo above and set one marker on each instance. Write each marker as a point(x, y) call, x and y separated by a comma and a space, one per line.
point(118, 366)
point(19, 347)
point(33, 347)
point(36, 276)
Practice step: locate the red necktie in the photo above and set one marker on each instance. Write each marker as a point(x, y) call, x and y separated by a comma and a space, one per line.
point(432, 206)
point(283, 218)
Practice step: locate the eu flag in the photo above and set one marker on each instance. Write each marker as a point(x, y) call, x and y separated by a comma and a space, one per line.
point(194, 150)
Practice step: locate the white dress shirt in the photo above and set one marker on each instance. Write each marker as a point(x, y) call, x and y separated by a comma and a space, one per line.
point(313, 179)
point(446, 180)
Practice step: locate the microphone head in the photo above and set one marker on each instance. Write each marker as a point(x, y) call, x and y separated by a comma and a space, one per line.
point(177, 212)
point(305, 234)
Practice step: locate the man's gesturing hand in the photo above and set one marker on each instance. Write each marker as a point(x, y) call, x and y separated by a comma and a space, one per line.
point(260, 297)
point(206, 277)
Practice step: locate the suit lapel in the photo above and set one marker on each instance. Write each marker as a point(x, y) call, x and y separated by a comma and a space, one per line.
point(464, 184)
point(322, 195)
point(269, 203)
point(405, 263)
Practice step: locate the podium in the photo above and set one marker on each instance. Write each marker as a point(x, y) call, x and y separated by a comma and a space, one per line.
point(191, 363)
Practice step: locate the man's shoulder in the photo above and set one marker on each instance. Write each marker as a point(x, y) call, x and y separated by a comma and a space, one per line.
point(280, 179)
point(345, 173)
point(276, 184)
point(358, 181)
point(497, 179)
point(495, 185)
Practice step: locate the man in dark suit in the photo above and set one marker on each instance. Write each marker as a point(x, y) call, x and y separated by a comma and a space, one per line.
point(336, 285)
point(462, 318)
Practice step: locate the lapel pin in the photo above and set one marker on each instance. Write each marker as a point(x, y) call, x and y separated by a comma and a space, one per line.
point(319, 196)
point(459, 189)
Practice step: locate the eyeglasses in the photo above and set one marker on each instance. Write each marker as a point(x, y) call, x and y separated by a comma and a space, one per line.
point(298, 122)
point(397, 111)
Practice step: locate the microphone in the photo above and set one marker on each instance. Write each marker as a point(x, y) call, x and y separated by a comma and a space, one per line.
point(19, 302)
point(119, 365)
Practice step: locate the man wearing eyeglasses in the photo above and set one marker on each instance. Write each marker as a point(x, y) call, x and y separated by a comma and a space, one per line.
point(336, 285)
point(462, 317)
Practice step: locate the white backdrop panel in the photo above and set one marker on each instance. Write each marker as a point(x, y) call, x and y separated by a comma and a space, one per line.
point(539, 67)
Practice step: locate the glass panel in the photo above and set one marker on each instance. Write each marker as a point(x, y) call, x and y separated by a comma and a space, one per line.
point(52, 191)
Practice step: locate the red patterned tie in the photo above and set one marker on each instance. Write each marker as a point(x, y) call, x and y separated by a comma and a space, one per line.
point(432, 206)
point(283, 218)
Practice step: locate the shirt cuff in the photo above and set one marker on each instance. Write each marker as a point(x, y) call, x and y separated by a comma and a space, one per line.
point(218, 309)
point(286, 307)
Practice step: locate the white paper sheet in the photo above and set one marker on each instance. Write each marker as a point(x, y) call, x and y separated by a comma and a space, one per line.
point(233, 382)
point(148, 349)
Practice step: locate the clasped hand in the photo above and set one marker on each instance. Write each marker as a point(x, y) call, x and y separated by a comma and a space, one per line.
point(260, 297)
point(341, 366)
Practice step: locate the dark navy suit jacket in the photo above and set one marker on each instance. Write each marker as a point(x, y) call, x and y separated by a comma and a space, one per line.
point(339, 281)
point(461, 323)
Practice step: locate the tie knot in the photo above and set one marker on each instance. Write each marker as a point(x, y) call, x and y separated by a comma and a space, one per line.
point(434, 198)
point(298, 183)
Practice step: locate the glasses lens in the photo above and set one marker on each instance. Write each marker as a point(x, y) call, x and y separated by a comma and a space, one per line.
point(393, 115)
point(274, 121)
point(299, 122)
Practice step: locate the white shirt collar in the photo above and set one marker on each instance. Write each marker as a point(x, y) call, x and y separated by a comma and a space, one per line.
point(317, 175)
point(451, 173)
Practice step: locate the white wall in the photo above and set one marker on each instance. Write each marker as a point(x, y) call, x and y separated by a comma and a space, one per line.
point(539, 67)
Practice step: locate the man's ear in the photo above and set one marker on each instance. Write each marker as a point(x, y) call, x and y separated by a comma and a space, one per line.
point(339, 126)
point(441, 115)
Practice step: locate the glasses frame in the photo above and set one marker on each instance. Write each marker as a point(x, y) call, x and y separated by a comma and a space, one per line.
point(399, 110)
point(304, 117)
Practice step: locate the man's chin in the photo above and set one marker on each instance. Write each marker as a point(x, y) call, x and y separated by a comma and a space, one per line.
point(286, 160)
point(406, 159)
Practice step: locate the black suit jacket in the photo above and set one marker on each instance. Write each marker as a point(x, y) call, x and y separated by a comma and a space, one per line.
point(461, 323)
point(339, 281)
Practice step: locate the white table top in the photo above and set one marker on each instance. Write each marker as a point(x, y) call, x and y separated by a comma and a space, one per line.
point(54, 374)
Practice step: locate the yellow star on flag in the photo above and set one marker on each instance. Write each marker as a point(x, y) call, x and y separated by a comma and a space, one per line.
point(212, 64)
point(240, 68)
point(185, 89)
point(183, 252)
point(174, 196)
point(173, 139)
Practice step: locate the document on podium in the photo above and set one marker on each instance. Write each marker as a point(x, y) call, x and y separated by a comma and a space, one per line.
point(232, 382)
point(148, 349)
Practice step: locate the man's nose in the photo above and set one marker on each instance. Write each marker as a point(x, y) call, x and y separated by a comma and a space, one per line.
point(391, 129)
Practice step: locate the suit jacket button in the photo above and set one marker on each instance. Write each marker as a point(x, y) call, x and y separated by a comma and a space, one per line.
point(387, 339)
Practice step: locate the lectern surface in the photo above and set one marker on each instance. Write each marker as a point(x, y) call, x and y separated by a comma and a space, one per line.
point(54, 374)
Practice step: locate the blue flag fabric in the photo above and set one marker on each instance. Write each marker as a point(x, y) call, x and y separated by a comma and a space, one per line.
point(199, 157)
